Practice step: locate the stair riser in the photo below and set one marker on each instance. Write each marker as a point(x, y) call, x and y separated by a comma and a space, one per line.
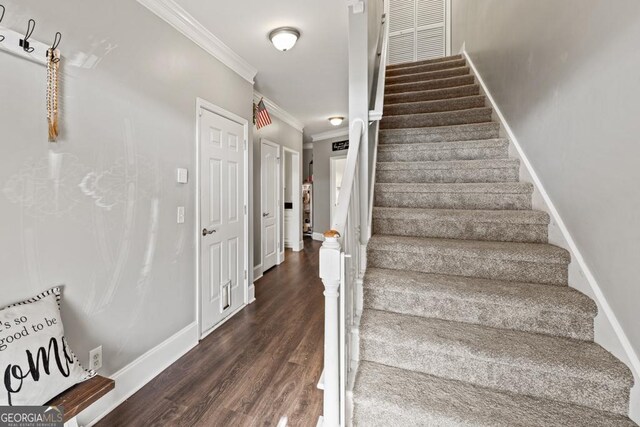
point(453, 104)
point(453, 200)
point(424, 62)
point(485, 372)
point(430, 85)
point(465, 230)
point(452, 154)
point(451, 118)
point(529, 319)
point(448, 175)
point(428, 135)
point(499, 269)
point(431, 75)
point(434, 95)
point(426, 68)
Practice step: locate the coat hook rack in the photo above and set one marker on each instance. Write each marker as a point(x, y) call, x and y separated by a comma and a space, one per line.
point(24, 43)
point(2, 10)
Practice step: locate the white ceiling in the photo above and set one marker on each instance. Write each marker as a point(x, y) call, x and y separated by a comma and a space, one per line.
point(311, 80)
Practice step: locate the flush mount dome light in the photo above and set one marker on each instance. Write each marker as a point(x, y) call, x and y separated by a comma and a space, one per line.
point(336, 121)
point(284, 38)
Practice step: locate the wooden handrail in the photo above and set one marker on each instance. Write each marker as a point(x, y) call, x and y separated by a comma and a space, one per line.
point(378, 109)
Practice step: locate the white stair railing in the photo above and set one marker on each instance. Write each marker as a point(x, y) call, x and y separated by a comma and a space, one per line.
point(343, 255)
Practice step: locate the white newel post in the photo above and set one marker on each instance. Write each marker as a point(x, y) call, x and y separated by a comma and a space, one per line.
point(330, 275)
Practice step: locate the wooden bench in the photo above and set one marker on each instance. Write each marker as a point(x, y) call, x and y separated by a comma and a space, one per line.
point(81, 396)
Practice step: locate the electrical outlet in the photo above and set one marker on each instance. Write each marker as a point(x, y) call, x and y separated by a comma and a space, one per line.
point(95, 358)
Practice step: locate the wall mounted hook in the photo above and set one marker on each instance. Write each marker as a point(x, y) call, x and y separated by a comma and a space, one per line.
point(24, 43)
point(2, 10)
point(52, 50)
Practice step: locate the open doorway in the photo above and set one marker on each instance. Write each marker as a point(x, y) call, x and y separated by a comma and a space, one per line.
point(336, 170)
point(292, 189)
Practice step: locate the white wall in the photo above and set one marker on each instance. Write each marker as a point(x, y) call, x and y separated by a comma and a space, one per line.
point(565, 75)
point(97, 211)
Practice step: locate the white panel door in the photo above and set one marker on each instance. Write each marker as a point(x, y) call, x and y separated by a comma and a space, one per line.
point(270, 204)
point(417, 30)
point(222, 217)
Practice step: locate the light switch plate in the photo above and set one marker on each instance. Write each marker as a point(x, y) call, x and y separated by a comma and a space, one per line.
point(180, 215)
point(182, 176)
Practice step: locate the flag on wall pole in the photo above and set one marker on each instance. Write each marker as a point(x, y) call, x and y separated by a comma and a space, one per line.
point(261, 117)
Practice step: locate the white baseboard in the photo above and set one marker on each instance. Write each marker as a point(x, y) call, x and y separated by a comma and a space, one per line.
point(138, 373)
point(257, 272)
point(318, 236)
point(580, 276)
point(252, 294)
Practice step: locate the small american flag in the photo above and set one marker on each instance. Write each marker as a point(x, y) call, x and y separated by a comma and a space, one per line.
point(261, 115)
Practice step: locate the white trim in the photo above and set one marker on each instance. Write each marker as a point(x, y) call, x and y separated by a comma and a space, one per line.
point(330, 134)
point(296, 164)
point(300, 246)
point(307, 146)
point(279, 205)
point(202, 104)
point(318, 236)
point(448, 23)
point(181, 20)
point(573, 248)
point(279, 112)
point(257, 272)
point(333, 200)
point(141, 371)
point(252, 293)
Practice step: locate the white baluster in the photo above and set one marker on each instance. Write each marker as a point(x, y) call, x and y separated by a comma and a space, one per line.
point(330, 275)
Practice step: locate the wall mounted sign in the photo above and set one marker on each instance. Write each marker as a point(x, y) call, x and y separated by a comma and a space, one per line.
point(339, 146)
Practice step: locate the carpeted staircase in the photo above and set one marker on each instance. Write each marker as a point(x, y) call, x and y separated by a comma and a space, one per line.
point(468, 317)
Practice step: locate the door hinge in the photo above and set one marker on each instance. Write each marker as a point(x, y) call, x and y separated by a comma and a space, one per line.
point(245, 274)
point(245, 209)
point(245, 144)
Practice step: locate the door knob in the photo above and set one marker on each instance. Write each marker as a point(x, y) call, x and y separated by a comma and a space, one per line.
point(265, 214)
point(205, 231)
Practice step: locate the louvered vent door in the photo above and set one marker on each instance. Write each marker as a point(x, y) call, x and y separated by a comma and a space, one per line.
point(417, 30)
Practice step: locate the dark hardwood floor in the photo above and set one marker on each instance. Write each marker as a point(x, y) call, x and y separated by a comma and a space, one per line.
point(260, 366)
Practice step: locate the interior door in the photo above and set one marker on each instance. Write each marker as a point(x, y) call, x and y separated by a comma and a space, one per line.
point(222, 231)
point(270, 205)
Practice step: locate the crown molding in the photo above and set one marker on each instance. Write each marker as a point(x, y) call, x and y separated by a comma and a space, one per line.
point(181, 20)
point(330, 134)
point(279, 112)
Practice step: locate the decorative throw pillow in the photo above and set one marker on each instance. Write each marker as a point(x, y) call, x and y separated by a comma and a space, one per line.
point(36, 364)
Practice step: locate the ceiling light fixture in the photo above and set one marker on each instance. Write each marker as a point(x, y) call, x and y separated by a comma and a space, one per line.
point(336, 121)
point(284, 38)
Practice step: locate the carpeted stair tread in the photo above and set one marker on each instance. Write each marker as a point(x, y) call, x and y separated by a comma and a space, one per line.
point(428, 75)
point(430, 84)
point(444, 65)
point(386, 396)
point(431, 95)
point(436, 106)
point(528, 252)
point(436, 151)
point(493, 225)
point(552, 310)
point(443, 118)
point(466, 132)
point(463, 171)
point(424, 62)
point(456, 215)
point(563, 369)
point(485, 188)
point(523, 262)
point(498, 196)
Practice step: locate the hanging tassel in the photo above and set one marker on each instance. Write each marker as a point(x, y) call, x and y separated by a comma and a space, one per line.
point(53, 63)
